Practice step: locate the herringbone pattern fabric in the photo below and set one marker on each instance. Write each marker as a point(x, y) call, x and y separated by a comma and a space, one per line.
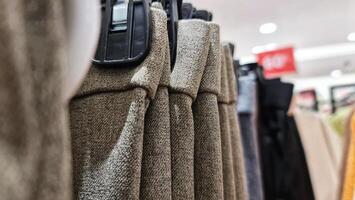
point(107, 123)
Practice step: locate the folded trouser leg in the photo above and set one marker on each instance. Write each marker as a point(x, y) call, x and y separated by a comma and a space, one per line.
point(238, 159)
point(182, 142)
point(229, 187)
point(156, 161)
point(107, 123)
point(237, 151)
point(227, 156)
point(208, 172)
point(192, 51)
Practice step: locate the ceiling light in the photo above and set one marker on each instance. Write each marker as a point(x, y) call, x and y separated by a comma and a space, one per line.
point(351, 37)
point(268, 28)
point(336, 73)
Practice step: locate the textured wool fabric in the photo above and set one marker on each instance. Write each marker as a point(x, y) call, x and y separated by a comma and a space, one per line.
point(349, 180)
point(247, 112)
point(208, 173)
point(35, 146)
point(192, 52)
point(229, 187)
point(107, 123)
point(156, 162)
point(236, 141)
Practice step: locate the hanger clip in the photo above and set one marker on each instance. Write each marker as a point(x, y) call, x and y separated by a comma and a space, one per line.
point(125, 33)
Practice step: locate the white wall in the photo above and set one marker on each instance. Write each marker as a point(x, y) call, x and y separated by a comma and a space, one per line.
point(321, 84)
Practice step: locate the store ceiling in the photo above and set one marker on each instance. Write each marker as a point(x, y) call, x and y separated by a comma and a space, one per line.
point(301, 23)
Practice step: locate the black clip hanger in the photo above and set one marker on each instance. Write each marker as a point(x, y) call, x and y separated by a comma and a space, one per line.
point(187, 10)
point(125, 33)
point(246, 68)
point(203, 14)
point(172, 10)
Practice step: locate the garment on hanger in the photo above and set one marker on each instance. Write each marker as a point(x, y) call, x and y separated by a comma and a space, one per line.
point(322, 170)
point(229, 187)
point(208, 173)
point(156, 161)
point(35, 161)
point(284, 169)
point(325, 153)
point(338, 119)
point(192, 53)
point(107, 122)
point(236, 141)
point(335, 142)
point(349, 181)
point(247, 112)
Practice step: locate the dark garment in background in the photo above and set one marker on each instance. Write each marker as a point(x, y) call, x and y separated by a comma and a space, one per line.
point(285, 172)
point(247, 111)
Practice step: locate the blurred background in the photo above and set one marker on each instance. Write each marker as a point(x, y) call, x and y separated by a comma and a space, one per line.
point(321, 31)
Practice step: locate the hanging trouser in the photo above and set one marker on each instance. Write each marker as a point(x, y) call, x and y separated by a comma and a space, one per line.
point(156, 162)
point(107, 123)
point(320, 163)
point(236, 141)
point(348, 192)
point(35, 144)
point(208, 173)
point(229, 187)
point(192, 51)
point(247, 112)
point(284, 168)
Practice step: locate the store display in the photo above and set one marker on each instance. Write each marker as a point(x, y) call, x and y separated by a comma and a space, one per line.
point(162, 111)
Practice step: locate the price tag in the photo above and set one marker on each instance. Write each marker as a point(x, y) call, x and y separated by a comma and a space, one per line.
point(277, 62)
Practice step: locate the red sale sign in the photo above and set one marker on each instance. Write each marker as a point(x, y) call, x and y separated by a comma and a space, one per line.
point(277, 62)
